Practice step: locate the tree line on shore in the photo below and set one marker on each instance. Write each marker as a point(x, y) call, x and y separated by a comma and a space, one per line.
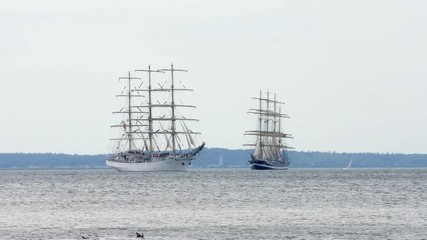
point(223, 158)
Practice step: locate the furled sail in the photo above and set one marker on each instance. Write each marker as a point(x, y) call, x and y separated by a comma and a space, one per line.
point(168, 144)
point(189, 135)
point(186, 134)
point(258, 150)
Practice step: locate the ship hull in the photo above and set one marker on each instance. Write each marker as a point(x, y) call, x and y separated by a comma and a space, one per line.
point(162, 162)
point(257, 164)
point(163, 165)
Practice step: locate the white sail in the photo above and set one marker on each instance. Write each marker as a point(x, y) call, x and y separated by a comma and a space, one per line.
point(258, 149)
point(187, 136)
point(167, 140)
point(349, 164)
point(144, 141)
point(156, 144)
point(270, 152)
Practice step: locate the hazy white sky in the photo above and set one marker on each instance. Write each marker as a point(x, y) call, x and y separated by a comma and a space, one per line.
point(353, 73)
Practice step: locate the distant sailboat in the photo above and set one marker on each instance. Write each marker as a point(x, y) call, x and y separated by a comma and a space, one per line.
point(270, 149)
point(349, 164)
point(219, 165)
point(153, 133)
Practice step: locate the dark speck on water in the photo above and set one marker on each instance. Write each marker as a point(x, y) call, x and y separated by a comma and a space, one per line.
point(214, 204)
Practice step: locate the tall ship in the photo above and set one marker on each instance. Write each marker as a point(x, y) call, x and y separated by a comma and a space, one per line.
point(270, 148)
point(154, 134)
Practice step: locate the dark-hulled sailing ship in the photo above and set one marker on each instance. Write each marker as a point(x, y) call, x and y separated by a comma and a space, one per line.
point(270, 148)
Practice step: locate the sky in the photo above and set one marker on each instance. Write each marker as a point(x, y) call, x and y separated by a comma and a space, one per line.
point(353, 73)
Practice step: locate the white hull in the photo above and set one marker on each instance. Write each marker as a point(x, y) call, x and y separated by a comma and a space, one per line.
point(164, 165)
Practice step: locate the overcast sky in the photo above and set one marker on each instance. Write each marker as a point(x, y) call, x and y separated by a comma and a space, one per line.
point(353, 73)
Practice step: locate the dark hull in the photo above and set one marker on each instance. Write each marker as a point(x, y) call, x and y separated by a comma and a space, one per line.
point(264, 165)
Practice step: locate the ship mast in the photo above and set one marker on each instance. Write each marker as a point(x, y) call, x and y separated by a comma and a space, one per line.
point(280, 139)
point(150, 108)
point(128, 128)
point(173, 105)
point(274, 127)
point(260, 123)
point(173, 114)
point(173, 118)
point(150, 112)
point(267, 119)
point(130, 114)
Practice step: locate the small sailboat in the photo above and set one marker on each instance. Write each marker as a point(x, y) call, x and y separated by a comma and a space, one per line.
point(270, 148)
point(219, 165)
point(154, 136)
point(349, 164)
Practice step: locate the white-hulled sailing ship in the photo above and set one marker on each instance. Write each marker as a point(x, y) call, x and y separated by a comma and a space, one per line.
point(154, 136)
point(270, 147)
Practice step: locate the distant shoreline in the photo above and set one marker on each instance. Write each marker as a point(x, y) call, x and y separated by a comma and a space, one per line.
point(209, 159)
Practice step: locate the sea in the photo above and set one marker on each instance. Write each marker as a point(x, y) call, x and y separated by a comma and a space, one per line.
point(214, 204)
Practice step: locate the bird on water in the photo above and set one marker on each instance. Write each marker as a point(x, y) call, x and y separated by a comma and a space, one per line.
point(139, 235)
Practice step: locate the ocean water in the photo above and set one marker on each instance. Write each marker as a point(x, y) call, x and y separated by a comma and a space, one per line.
point(214, 204)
